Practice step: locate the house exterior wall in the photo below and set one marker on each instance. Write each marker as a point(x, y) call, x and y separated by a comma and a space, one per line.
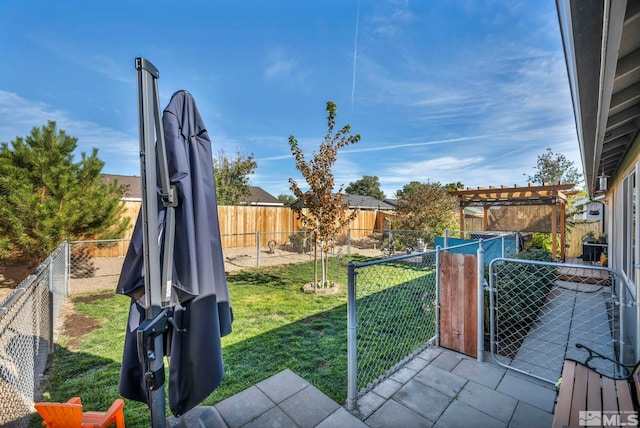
point(623, 227)
point(619, 215)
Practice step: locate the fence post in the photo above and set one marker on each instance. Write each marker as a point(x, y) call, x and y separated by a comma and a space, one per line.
point(503, 244)
point(446, 238)
point(258, 249)
point(349, 241)
point(352, 362)
point(621, 330)
point(52, 320)
point(438, 250)
point(480, 302)
point(67, 267)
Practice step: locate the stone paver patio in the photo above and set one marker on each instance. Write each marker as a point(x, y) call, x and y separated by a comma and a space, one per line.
point(438, 388)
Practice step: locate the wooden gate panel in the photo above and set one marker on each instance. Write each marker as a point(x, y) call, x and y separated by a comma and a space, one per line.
point(446, 339)
point(458, 303)
point(470, 280)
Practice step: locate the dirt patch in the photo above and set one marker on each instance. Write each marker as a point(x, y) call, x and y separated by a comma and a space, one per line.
point(92, 298)
point(75, 326)
point(309, 288)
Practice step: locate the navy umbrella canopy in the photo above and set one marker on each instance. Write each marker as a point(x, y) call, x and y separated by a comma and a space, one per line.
point(199, 294)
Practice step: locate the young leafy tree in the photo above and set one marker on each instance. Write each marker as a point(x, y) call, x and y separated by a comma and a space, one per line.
point(46, 197)
point(425, 207)
point(326, 213)
point(232, 177)
point(552, 168)
point(368, 185)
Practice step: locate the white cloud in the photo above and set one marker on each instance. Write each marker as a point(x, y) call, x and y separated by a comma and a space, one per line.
point(281, 68)
point(19, 115)
point(391, 17)
point(284, 67)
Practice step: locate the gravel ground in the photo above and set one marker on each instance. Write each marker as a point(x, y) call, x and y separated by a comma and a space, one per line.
point(102, 273)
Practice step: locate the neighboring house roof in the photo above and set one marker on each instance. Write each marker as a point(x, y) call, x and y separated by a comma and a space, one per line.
point(360, 202)
point(392, 202)
point(602, 52)
point(367, 203)
point(260, 197)
point(132, 185)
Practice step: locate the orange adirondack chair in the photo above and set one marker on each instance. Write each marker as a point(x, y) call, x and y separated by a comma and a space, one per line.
point(70, 415)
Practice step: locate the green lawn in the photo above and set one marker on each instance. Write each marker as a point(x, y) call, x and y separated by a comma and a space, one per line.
point(276, 326)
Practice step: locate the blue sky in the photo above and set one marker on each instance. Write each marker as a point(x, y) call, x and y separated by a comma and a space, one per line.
point(439, 90)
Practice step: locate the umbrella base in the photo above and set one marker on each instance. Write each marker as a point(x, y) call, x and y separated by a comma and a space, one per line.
point(200, 416)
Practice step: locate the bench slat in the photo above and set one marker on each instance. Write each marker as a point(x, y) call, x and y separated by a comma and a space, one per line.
point(594, 394)
point(625, 403)
point(609, 401)
point(563, 405)
point(579, 399)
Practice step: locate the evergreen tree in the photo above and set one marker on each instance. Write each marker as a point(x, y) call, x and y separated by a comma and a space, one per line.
point(46, 197)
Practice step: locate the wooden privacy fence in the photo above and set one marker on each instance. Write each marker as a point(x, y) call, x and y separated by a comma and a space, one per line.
point(239, 225)
point(459, 302)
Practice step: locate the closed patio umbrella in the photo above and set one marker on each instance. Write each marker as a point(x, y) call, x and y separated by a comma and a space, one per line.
point(195, 310)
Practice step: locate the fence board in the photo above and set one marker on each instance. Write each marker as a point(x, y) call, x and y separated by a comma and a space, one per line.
point(576, 232)
point(446, 338)
point(470, 305)
point(456, 290)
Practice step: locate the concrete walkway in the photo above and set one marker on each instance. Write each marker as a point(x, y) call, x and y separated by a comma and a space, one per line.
point(438, 388)
point(573, 313)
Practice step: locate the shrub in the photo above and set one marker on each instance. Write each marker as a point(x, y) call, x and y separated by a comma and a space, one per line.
point(300, 243)
point(522, 291)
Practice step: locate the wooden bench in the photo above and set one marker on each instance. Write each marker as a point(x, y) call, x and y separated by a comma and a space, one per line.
point(584, 389)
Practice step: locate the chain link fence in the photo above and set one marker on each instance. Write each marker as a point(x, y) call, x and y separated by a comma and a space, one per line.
point(539, 311)
point(394, 305)
point(27, 323)
point(96, 265)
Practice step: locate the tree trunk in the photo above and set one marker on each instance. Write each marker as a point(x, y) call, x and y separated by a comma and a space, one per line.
point(322, 262)
point(315, 261)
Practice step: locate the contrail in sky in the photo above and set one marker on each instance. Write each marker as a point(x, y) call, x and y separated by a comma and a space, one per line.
point(355, 56)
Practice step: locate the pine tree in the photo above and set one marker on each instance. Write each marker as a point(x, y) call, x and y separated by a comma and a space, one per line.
point(46, 197)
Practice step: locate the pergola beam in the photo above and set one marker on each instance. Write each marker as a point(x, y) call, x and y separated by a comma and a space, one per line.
point(554, 195)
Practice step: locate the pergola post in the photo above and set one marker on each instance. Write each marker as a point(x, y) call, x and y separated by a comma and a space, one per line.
point(563, 230)
point(554, 232)
point(485, 217)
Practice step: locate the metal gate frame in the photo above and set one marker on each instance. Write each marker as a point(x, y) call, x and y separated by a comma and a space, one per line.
point(553, 318)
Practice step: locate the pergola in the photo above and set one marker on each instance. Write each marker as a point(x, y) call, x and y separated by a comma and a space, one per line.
point(553, 196)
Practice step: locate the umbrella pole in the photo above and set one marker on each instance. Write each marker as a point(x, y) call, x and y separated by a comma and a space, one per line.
point(158, 316)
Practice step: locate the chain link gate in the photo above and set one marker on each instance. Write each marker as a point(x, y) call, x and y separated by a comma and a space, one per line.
point(539, 311)
point(396, 316)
